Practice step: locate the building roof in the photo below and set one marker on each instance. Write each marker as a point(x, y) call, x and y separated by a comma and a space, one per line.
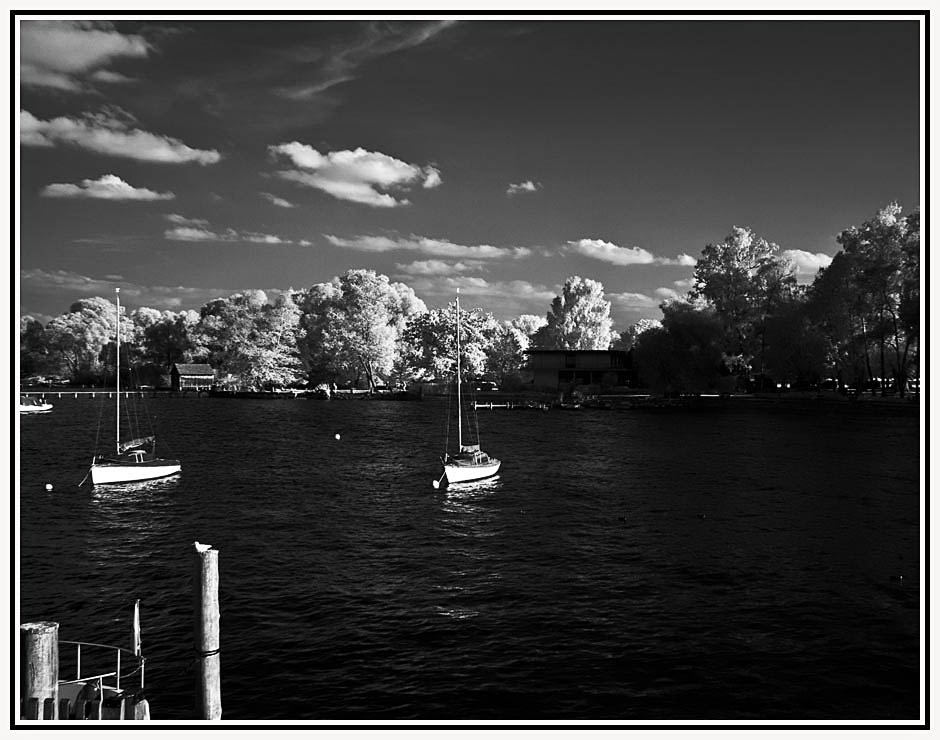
point(575, 351)
point(194, 369)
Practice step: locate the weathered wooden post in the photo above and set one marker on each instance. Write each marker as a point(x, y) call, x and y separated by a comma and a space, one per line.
point(39, 670)
point(206, 632)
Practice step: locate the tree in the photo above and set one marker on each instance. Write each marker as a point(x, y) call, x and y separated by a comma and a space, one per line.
point(742, 278)
point(627, 339)
point(683, 355)
point(429, 344)
point(836, 308)
point(351, 326)
point(272, 360)
point(82, 339)
point(579, 318)
point(34, 353)
point(228, 329)
point(167, 338)
point(885, 260)
point(526, 327)
point(796, 348)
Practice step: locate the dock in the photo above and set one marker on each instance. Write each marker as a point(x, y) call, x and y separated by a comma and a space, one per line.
point(83, 394)
point(108, 681)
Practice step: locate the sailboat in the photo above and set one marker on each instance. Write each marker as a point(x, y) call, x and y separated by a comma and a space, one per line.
point(470, 463)
point(135, 459)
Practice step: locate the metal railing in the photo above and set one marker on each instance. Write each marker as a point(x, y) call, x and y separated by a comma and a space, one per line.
point(130, 659)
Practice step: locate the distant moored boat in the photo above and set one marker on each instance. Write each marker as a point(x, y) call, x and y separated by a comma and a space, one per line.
point(469, 463)
point(134, 460)
point(29, 405)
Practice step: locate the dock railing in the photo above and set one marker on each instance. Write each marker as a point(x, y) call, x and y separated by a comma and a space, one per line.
point(108, 680)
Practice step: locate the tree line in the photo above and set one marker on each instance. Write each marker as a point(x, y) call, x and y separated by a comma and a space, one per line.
point(745, 317)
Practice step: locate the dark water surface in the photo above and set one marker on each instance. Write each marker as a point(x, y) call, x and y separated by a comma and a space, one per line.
point(623, 565)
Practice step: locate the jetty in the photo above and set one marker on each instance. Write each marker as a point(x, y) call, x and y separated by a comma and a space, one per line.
point(66, 680)
point(108, 680)
point(84, 394)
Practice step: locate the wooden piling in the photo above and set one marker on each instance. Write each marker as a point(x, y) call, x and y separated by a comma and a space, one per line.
point(206, 632)
point(39, 670)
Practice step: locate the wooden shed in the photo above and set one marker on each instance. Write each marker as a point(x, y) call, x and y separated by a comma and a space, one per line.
point(192, 377)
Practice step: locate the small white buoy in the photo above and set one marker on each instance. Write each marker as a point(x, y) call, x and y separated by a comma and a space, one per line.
point(435, 483)
point(48, 486)
point(336, 435)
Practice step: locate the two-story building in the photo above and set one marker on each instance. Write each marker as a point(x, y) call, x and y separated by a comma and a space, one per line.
point(552, 368)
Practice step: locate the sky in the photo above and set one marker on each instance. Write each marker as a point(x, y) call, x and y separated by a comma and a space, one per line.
point(182, 160)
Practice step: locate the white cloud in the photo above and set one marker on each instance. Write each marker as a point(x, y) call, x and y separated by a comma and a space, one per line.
point(668, 294)
point(112, 78)
point(806, 263)
point(71, 285)
point(176, 218)
point(106, 187)
point(523, 187)
point(608, 252)
point(110, 135)
point(632, 300)
point(280, 202)
point(199, 230)
point(438, 267)
point(506, 298)
point(264, 239)
point(434, 247)
point(194, 234)
point(59, 54)
point(432, 177)
point(357, 175)
point(616, 255)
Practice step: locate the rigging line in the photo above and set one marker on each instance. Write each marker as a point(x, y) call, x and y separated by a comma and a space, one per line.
point(98, 429)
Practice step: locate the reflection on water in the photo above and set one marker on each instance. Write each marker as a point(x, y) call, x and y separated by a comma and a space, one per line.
point(468, 489)
point(158, 485)
point(130, 516)
point(470, 517)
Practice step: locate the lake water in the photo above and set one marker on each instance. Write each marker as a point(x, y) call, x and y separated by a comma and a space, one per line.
point(623, 565)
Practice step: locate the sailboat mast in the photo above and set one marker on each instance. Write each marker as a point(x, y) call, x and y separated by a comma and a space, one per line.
point(117, 370)
point(459, 420)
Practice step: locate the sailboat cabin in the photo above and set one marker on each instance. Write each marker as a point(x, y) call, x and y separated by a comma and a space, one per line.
point(192, 377)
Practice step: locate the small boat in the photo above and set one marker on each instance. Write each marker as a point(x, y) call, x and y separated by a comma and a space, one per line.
point(134, 460)
point(469, 463)
point(30, 405)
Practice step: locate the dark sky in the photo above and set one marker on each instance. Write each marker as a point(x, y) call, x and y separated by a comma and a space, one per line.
point(182, 160)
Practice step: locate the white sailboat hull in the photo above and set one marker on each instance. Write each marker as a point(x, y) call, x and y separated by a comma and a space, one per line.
point(464, 473)
point(104, 473)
